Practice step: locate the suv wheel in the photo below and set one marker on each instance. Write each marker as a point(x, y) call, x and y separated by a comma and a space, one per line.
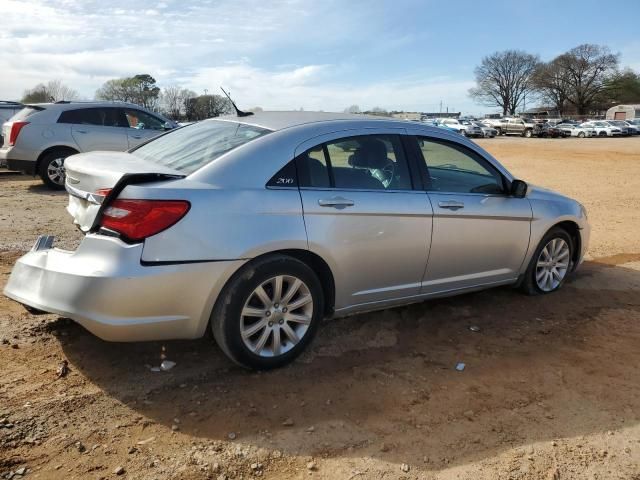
point(550, 264)
point(51, 169)
point(268, 312)
point(528, 133)
point(498, 131)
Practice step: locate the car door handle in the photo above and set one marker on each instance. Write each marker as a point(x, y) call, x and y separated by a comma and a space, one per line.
point(136, 136)
point(336, 202)
point(451, 205)
point(82, 131)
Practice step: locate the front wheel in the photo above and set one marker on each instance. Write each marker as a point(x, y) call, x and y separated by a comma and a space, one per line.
point(268, 312)
point(581, 134)
point(528, 133)
point(550, 264)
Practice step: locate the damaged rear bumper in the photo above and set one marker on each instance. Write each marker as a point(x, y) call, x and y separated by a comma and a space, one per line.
point(104, 287)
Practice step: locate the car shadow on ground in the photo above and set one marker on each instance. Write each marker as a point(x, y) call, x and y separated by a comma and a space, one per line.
point(385, 385)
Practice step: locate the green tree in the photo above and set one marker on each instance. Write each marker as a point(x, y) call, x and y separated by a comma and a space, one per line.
point(139, 89)
point(623, 87)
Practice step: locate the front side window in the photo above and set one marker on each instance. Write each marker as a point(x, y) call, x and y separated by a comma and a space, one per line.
point(142, 120)
point(188, 148)
point(367, 162)
point(454, 168)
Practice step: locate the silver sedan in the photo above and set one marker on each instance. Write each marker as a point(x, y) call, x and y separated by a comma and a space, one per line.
point(258, 227)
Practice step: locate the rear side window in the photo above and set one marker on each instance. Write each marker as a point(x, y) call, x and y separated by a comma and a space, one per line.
point(367, 162)
point(103, 117)
point(188, 148)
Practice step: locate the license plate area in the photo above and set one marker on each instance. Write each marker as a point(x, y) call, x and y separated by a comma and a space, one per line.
point(44, 242)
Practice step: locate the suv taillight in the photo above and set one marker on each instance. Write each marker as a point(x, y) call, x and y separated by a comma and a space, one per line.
point(15, 130)
point(138, 219)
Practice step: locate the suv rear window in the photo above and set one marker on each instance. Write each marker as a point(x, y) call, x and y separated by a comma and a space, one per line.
point(25, 112)
point(104, 117)
point(188, 148)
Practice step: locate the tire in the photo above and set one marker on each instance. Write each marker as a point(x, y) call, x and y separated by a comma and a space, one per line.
point(535, 281)
point(51, 168)
point(602, 134)
point(270, 319)
point(528, 133)
point(463, 132)
point(499, 132)
point(581, 134)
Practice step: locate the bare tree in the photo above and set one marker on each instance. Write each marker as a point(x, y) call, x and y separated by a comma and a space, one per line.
point(59, 91)
point(552, 84)
point(504, 79)
point(171, 100)
point(53, 91)
point(352, 109)
point(585, 72)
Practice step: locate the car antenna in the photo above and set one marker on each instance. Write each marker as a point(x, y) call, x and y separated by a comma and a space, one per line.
point(239, 112)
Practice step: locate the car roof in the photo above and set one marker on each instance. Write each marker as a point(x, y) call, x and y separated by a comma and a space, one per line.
point(279, 120)
point(81, 104)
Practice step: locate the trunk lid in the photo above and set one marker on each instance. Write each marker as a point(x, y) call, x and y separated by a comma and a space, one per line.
point(96, 177)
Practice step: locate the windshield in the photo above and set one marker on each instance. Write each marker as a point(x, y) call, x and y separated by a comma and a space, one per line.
point(188, 148)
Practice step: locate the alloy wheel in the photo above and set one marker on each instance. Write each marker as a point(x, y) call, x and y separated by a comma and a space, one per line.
point(55, 171)
point(552, 264)
point(276, 316)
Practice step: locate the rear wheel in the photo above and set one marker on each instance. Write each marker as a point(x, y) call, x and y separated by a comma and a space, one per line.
point(51, 168)
point(498, 132)
point(550, 264)
point(268, 312)
point(581, 135)
point(602, 134)
point(528, 133)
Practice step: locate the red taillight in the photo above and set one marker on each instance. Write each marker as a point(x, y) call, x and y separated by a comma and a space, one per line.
point(15, 130)
point(139, 219)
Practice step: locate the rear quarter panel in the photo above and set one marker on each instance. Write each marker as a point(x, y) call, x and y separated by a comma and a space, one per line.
point(225, 224)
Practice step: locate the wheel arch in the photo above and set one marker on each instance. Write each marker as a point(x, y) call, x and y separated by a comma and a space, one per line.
point(573, 230)
point(320, 268)
point(54, 148)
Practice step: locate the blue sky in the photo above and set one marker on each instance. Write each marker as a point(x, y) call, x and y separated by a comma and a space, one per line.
point(287, 54)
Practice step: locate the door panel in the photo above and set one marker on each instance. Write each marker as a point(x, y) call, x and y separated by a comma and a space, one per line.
point(378, 241)
point(92, 137)
point(480, 234)
point(362, 215)
point(476, 239)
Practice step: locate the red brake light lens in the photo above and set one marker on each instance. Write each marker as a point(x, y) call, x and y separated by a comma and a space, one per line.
point(139, 219)
point(15, 130)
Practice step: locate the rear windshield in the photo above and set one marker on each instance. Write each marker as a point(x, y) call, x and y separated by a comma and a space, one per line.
point(25, 112)
point(189, 148)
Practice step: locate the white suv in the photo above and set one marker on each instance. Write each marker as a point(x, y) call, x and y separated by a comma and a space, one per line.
point(39, 137)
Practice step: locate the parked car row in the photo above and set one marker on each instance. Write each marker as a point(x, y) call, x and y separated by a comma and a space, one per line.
point(38, 138)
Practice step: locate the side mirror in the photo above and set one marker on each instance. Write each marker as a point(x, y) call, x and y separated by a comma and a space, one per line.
point(167, 126)
point(519, 188)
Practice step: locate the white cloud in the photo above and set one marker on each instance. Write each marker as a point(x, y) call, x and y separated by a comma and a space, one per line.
point(272, 54)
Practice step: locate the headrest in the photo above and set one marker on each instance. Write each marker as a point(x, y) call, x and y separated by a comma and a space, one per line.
point(372, 153)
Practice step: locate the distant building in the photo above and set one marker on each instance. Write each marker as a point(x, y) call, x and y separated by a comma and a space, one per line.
point(623, 112)
point(415, 116)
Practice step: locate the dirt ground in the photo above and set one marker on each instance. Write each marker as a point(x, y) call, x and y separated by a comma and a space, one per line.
point(551, 388)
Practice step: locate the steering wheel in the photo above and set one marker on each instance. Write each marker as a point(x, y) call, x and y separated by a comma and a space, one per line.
point(386, 174)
